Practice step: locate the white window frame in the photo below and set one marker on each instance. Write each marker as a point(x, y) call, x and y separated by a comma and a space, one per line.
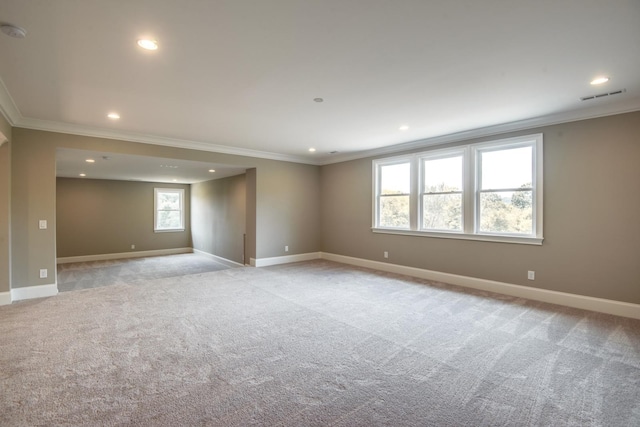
point(179, 191)
point(377, 178)
point(470, 193)
point(437, 155)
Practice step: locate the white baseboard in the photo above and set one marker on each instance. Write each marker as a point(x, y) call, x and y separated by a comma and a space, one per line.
point(601, 305)
point(123, 255)
point(5, 298)
point(30, 292)
point(219, 259)
point(265, 262)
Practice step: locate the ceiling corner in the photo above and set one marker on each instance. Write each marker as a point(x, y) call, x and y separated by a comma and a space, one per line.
point(8, 107)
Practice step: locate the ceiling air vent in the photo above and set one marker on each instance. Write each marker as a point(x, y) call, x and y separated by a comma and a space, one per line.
point(602, 95)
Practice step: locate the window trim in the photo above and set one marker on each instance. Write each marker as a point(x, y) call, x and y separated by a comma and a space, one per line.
point(470, 192)
point(179, 191)
point(438, 155)
point(377, 176)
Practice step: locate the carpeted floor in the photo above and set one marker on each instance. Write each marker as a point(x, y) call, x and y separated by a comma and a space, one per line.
point(94, 274)
point(314, 343)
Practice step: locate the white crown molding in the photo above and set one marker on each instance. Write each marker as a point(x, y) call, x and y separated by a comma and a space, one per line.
point(74, 129)
point(628, 106)
point(8, 107)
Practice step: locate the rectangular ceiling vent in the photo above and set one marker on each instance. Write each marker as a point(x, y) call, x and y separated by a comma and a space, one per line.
point(602, 95)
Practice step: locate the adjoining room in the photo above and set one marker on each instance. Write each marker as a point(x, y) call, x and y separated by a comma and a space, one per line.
point(111, 218)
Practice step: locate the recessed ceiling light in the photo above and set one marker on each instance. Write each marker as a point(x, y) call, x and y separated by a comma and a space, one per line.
point(148, 44)
point(599, 80)
point(318, 100)
point(212, 170)
point(83, 174)
point(113, 116)
point(403, 127)
point(312, 150)
point(90, 161)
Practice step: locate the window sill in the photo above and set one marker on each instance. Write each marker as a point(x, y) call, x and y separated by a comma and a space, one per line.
point(172, 230)
point(461, 236)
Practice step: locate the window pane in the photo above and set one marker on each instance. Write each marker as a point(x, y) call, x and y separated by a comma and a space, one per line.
point(394, 211)
point(506, 212)
point(170, 201)
point(395, 179)
point(510, 168)
point(442, 212)
point(169, 220)
point(443, 174)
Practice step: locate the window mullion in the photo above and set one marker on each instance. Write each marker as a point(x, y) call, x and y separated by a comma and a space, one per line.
point(469, 191)
point(414, 209)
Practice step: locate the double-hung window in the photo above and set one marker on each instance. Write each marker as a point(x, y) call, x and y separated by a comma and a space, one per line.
point(486, 191)
point(394, 192)
point(169, 209)
point(441, 196)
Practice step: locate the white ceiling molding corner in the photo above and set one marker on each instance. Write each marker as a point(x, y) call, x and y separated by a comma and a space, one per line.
point(74, 129)
point(8, 107)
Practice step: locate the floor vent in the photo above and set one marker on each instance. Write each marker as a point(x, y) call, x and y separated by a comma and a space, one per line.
point(602, 95)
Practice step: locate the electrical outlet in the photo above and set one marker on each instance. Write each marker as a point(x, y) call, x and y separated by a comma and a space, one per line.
point(531, 275)
point(386, 254)
point(42, 224)
point(133, 246)
point(286, 248)
point(43, 273)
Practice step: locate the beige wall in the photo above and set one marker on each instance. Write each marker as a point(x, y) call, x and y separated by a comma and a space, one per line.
point(218, 217)
point(102, 217)
point(294, 199)
point(250, 212)
point(33, 194)
point(5, 205)
point(286, 194)
point(591, 217)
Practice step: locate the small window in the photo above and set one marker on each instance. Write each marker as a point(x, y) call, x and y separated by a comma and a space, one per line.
point(169, 209)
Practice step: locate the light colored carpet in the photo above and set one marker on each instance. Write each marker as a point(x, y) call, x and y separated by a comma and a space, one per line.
point(94, 274)
point(314, 343)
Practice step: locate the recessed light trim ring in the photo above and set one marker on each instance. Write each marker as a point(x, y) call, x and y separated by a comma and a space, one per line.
point(148, 44)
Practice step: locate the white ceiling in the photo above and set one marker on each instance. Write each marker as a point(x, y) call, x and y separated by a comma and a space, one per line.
point(240, 76)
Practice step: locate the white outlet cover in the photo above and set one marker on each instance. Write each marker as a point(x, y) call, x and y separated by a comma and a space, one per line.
point(43, 273)
point(42, 224)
